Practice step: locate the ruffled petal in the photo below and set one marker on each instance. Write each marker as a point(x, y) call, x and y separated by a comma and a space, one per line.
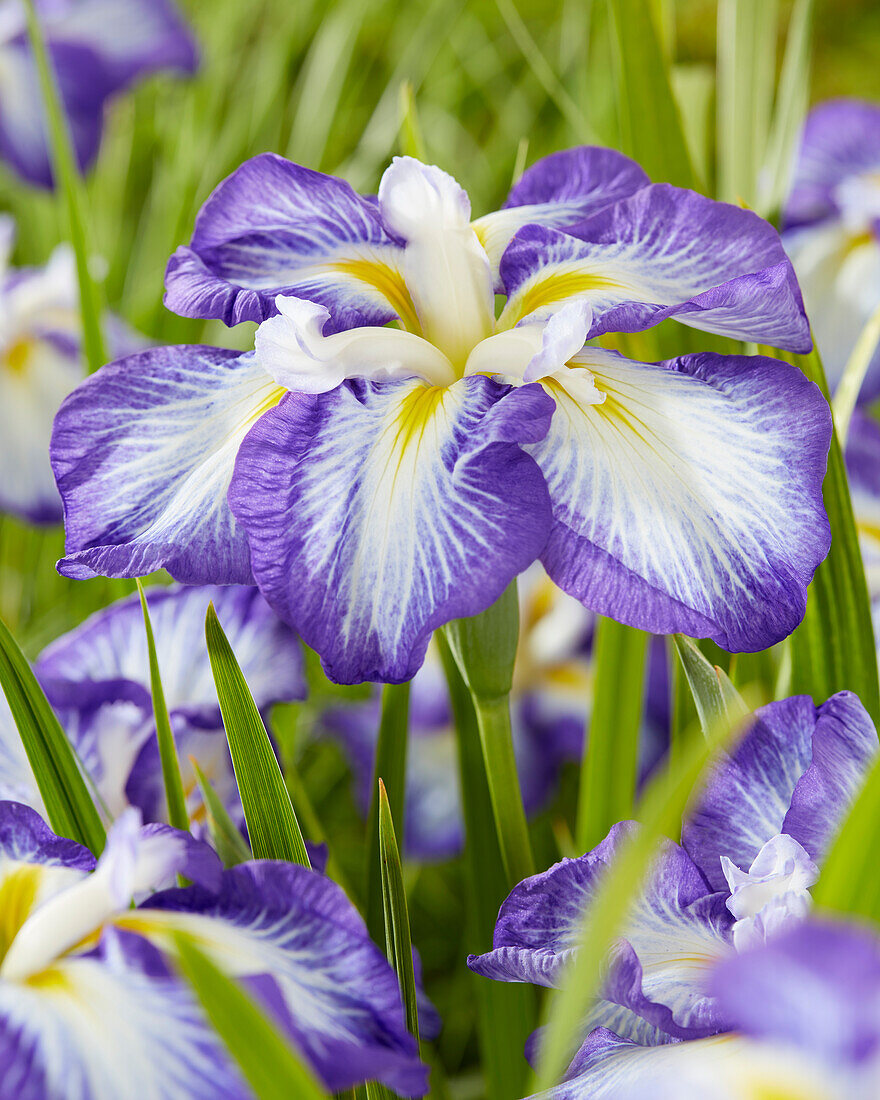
point(794, 771)
point(674, 935)
point(89, 1028)
point(143, 453)
point(293, 934)
point(664, 252)
point(560, 191)
point(273, 227)
point(690, 498)
point(380, 511)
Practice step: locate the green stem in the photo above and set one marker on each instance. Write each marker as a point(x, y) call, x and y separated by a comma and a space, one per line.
point(67, 175)
point(506, 1011)
point(493, 722)
point(608, 774)
point(390, 767)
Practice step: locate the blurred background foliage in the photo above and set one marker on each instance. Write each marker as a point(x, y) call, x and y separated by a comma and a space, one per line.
point(497, 84)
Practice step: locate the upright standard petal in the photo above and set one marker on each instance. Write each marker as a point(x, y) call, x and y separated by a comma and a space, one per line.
point(105, 1025)
point(302, 946)
point(560, 191)
point(143, 454)
point(841, 141)
point(689, 499)
point(795, 771)
point(273, 228)
point(664, 252)
point(380, 511)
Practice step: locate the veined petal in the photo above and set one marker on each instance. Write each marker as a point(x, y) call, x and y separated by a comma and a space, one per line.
point(445, 267)
point(272, 228)
point(559, 191)
point(292, 349)
point(663, 252)
point(822, 753)
point(380, 511)
point(297, 938)
point(137, 860)
point(841, 140)
point(839, 274)
point(92, 1028)
point(143, 453)
point(674, 935)
point(690, 498)
point(17, 782)
point(782, 865)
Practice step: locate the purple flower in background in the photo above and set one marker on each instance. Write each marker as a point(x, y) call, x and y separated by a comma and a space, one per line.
point(98, 680)
point(805, 1014)
point(97, 48)
point(740, 878)
point(75, 953)
point(863, 467)
point(832, 229)
point(40, 363)
point(378, 482)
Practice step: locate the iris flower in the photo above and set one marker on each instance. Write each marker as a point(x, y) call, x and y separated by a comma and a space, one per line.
point(97, 48)
point(806, 1013)
point(97, 678)
point(91, 1008)
point(740, 878)
point(832, 229)
point(377, 482)
point(40, 363)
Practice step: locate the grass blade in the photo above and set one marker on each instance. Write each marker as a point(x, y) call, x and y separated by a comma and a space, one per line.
point(230, 845)
point(174, 796)
point(67, 177)
point(650, 122)
point(398, 941)
point(608, 773)
point(69, 806)
point(265, 1057)
point(746, 75)
point(660, 812)
point(389, 768)
point(273, 829)
point(833, 648)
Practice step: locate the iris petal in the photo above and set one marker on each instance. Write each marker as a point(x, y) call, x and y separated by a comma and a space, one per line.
point(690, 498)
point(379, 511)
point(143, 454)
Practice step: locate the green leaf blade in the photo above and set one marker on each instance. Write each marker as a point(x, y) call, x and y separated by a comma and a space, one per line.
point(69, 806)
point(273, 829)
point(266, 1059)
point(174, 795)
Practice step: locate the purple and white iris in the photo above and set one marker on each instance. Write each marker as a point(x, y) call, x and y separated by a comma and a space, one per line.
point(740, 878)
point(40, 363)
point(90, 1006)
point(378, 482)
point(97, 48)
point(832, 229)
point(97, 678)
